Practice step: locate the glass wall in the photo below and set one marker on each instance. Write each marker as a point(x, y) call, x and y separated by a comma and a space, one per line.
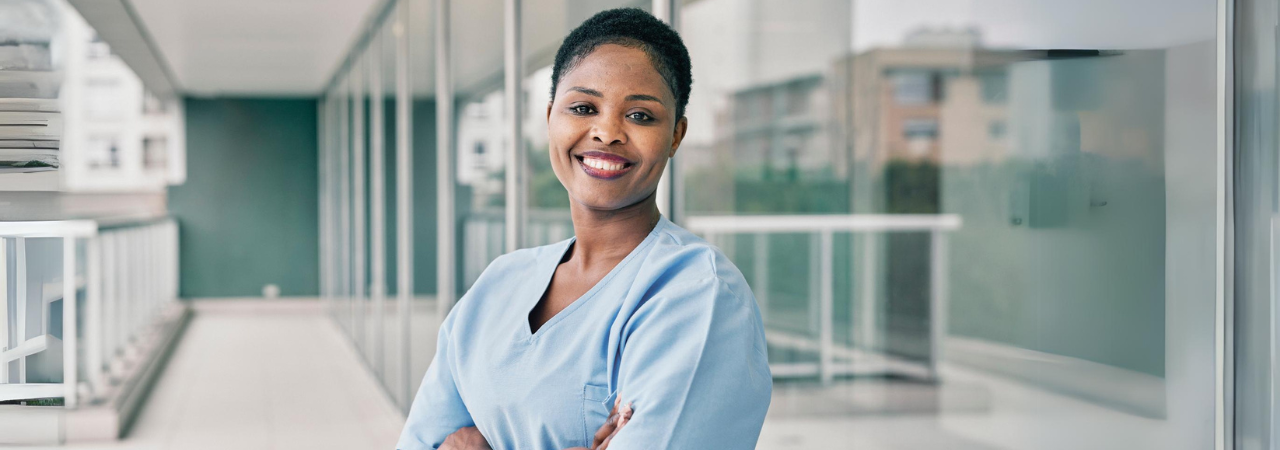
point(419, 114)
point(367, 135)
point(480, 135)
point(1002, 221)
point(1019, 258)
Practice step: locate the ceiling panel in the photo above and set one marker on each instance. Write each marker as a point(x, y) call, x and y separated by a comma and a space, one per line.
point(253, 47)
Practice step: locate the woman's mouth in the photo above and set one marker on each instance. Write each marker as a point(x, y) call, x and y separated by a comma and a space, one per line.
point(603, 165)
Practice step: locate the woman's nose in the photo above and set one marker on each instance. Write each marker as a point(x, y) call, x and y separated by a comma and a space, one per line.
point(607, 131)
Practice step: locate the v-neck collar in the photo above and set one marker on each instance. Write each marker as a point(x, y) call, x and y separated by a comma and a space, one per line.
point(551, 260)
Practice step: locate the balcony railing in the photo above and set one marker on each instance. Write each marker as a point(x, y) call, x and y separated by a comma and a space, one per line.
point(121, 280)
point(838, 360)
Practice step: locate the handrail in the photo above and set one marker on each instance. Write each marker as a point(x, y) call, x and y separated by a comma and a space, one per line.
point(48, 228)
point(823, 228)
point(823, 222)
point(77, 228)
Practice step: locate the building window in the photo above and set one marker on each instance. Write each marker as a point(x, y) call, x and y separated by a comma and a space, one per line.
point(996, 130)
point(995, 87)
point(912, 88)
point(920, 129)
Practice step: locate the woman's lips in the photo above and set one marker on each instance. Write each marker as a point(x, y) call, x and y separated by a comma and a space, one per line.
point(603, 165)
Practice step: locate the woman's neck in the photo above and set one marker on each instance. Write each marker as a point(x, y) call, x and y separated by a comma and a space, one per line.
point(606, 237)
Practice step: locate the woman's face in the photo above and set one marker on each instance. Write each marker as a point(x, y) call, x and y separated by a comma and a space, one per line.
point(612, 128)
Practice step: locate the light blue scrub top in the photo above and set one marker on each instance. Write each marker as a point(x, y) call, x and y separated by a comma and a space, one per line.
point(673, 329)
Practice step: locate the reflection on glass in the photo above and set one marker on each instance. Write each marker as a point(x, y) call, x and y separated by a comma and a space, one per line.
point(382, 70)
point(479, 136)
point(1055, 315)
point(1256, 196)
point(424, 323)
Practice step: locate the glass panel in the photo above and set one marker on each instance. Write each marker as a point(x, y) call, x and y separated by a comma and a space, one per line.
point(479, 137)
point(343, 169)
point(383, 74)
point(368, 325)
point(422, 69)
point(545, 24)
point(1257, 196)
point(763, 139)
point(1072, 143)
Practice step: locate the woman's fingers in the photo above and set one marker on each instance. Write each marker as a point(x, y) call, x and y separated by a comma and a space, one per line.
point(625, 415)
point(604, 431)
point(466, 438)
point(613, 425)
point(608, 427)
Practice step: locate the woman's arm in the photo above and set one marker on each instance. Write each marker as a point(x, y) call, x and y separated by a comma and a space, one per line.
point(469, 438)
point(437, 410)
point(694, 366)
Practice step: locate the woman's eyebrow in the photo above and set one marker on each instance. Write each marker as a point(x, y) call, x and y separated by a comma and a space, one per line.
point(643, 97)
point(591, 92)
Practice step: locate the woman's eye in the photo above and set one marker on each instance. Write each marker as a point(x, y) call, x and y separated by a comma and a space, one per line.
point(580, 109)
point(640, 117)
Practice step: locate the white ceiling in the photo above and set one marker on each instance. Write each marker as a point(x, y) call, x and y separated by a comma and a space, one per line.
point(253, 47)
point(294, 47)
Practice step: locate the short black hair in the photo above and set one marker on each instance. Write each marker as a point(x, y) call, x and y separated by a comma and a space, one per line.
point(634, 28)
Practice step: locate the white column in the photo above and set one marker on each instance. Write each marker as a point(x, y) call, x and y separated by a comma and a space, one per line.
point(93, 334)
point(20, 325)
point(866, 313)
point(344, 205)
point(322, 197)
point(358, 204)
point(404, 197)
point(938, 278)
point(667, 195)
point(5, 344)
point(827, 320)
point(110, 291)
point(446, 256)
point(70, 340)
point(378, 201)
point(516, 155)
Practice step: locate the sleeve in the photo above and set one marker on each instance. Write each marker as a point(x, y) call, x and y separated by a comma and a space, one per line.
point(437, 409)
point(695, 368)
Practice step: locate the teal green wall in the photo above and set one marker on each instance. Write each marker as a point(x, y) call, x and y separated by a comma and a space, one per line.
point(248, 212)
point(424, 196)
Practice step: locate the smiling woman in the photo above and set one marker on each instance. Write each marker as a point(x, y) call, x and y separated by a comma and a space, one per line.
point(632, 334)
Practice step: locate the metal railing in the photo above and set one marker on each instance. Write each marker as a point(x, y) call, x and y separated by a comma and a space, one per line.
point(483, 235)
point(823, 229)
point(120, 278)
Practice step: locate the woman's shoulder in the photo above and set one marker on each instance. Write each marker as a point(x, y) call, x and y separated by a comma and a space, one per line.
point(681, 258)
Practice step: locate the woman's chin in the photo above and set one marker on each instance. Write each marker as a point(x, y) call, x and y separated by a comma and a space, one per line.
point(604, 202)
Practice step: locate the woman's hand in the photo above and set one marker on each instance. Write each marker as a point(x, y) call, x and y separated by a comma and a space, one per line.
point(612, 425)
point(468, 438)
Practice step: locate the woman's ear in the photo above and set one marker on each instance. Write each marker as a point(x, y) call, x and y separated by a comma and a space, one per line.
point(549, 109)
point(681, 127)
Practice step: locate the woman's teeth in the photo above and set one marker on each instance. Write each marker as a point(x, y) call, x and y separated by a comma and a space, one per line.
point(601, 164)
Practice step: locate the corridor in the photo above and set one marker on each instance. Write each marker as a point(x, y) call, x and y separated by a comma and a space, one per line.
point(260, 374)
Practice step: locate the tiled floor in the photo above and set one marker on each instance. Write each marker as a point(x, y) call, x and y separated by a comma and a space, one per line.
point(254, 375)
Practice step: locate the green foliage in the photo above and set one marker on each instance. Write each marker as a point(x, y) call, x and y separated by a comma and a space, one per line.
point(911, 188)
point(545, 189)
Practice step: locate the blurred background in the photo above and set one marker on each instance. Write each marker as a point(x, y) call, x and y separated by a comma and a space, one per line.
point(970, 224)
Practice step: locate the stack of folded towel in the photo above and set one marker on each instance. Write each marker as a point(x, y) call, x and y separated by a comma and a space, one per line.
point(30, 121)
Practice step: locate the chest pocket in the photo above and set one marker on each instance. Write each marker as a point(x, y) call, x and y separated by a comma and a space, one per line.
point(596, 402)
